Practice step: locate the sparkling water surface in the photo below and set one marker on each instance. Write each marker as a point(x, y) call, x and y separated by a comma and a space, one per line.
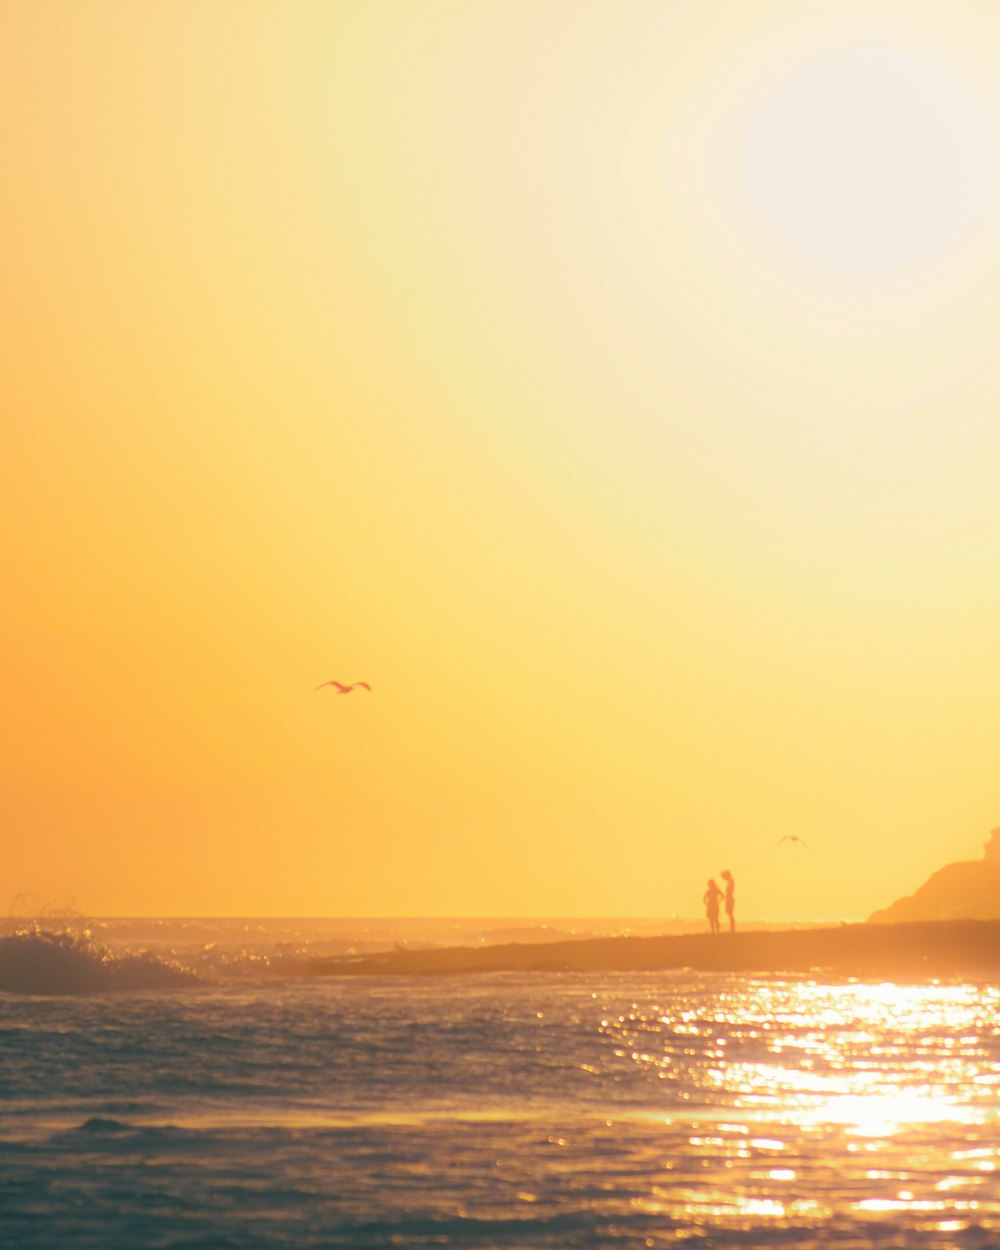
point(503, 1110)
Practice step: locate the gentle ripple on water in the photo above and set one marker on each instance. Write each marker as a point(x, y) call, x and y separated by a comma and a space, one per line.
point(506, 1111)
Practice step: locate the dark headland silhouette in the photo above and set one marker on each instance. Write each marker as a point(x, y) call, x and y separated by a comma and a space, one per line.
point(949, 928)
point(922, 951)
point(966, 890)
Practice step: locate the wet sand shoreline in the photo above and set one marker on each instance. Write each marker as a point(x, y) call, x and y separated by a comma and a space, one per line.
point(922, 950)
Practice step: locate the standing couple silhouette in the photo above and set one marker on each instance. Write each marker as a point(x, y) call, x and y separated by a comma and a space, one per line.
point(713, 895)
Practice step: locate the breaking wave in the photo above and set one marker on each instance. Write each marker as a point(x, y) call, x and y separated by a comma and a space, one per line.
point(67, 952)
point(39, 961)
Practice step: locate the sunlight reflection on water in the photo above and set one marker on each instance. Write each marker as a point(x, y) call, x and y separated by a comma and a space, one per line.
point(837, 1076)
point(550, 1111)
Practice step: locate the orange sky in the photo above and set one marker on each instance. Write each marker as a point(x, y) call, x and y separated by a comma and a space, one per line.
point(613, 387)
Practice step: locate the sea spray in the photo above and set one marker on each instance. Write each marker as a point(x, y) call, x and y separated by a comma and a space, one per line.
point(40, 961)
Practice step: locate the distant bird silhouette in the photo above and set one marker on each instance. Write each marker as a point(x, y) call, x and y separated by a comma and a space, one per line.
point(791, 837)
point(342, 689)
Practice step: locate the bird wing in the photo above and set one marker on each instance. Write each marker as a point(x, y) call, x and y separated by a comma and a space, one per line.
point(365, 684)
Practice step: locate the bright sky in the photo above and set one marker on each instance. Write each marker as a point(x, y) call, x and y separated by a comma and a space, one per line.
point(613, 387)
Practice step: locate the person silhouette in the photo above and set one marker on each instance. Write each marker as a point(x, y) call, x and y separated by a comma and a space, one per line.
point(711, 901)
point(727, 876)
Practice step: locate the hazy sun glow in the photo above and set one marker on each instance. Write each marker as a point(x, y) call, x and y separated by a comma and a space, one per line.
point(871, 159)
point(613, 389)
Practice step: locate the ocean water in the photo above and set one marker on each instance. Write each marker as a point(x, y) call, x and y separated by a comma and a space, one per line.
point(225, 1101)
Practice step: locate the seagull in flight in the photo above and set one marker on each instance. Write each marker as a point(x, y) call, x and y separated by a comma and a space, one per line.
point(791, 837)
point(342, 689)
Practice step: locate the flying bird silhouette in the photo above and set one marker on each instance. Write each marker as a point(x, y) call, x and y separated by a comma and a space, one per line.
point(342, 689)
point(791, 837)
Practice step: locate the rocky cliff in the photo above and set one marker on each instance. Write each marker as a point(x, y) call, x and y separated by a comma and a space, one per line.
point(966, 890)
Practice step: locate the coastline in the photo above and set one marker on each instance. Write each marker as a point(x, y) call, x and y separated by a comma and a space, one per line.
point(915, 950)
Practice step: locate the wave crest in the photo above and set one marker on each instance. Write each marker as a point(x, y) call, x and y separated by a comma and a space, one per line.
point(40, 961)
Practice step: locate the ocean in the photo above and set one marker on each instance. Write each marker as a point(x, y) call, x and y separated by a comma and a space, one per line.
point(197, 1089)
